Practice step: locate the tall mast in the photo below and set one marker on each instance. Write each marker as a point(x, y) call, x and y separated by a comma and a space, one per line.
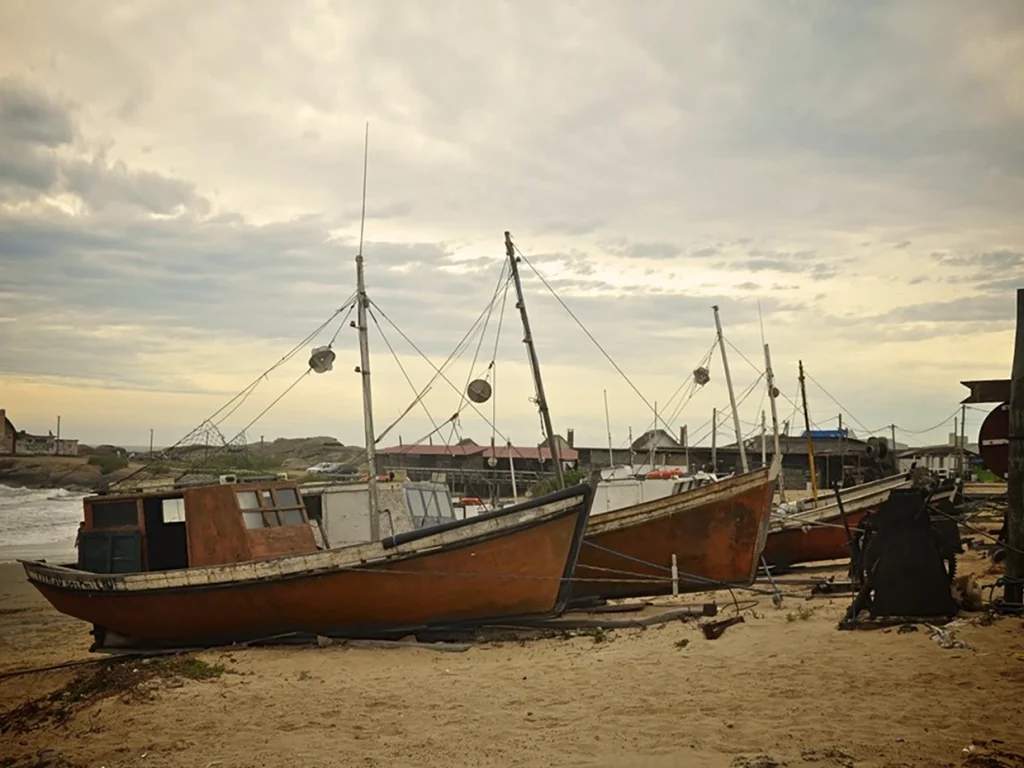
point(810, 442)
point(362, 304)
point(542, 401)
point(732, 395)
point(772, 394)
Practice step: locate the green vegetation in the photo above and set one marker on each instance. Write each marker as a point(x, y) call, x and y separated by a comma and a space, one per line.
point(550, 484)
point(802, 614)
point(108, 462)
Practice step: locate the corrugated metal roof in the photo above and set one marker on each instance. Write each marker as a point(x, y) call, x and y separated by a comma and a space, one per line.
point(433, 450)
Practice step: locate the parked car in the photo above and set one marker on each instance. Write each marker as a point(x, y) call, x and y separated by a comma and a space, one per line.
point(330, 468)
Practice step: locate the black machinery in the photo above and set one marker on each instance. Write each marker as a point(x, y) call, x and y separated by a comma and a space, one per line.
point(904, 561)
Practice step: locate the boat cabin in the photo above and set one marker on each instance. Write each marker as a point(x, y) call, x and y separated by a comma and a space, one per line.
point(341, 509)
point(193, 527)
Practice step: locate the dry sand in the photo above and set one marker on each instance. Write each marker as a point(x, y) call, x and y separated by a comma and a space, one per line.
point(786, 684)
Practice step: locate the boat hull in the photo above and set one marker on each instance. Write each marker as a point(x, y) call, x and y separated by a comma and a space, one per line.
point(812, 543)
point(716, 533)
point(446, 578)
point(823, 537)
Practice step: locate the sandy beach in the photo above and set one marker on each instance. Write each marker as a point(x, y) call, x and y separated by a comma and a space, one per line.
point(783, 688)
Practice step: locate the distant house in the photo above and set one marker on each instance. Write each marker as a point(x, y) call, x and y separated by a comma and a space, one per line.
point(22, 443)
point(8, 437)
point(938, 457)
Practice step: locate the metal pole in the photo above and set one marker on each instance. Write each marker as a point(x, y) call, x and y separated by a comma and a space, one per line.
point(764, 441)
point(772, 394)
point(652, 453)
point(956, 440)
point(810, 442)
point(608, 424)
point(1014, 592)
point(714, 440)
point(842, 452)
point(732, 395)
point(542, 402)
point(362, 304)
point(964, 473)
point(512, 473)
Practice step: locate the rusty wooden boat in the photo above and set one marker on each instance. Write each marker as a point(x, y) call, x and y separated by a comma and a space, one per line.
point(818, 534)
point(236, 562)
point(715, 532)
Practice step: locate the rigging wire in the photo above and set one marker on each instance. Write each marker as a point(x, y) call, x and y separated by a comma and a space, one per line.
point(439, 373)
point(589, 335)
point(416, 394)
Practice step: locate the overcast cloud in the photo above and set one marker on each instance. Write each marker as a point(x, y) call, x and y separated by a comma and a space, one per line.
point(180, 195)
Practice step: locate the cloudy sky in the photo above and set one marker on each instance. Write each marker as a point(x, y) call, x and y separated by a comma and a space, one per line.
point(180, 193)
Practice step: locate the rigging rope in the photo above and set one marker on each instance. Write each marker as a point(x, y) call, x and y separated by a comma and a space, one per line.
point(590, 336)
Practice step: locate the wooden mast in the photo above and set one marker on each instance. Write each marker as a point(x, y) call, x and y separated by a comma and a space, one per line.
point(732, 395)
point(542, 402)
point(362, 304)
point(807, 430)
point(772, 394)
point(1014, 591)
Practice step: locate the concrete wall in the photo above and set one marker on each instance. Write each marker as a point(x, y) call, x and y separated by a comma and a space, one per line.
point(6, 434)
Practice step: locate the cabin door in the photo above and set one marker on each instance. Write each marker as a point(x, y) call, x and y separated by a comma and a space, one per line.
point(166, 539)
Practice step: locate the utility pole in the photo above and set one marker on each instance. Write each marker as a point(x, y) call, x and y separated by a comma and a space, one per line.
point(893, 446)
point(608, 425)
point(56, 445)
point(732, 395)
point(652, 447)
point(810, 441)
point(632, 456)
point(773, 393)
point(956, 440)
point(714, 440)
point(963, 449)
point(842, 452)
point(362, 305)
point(542, 402)
point(1014, 591)
point(151, 444)
point(686, 447)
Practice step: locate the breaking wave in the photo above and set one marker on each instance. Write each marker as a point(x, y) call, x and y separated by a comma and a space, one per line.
point(33, 516)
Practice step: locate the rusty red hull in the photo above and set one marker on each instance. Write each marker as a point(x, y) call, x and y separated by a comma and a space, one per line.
point(824, 538)
point(492, 576)
point(716, 533)
point(813, 543)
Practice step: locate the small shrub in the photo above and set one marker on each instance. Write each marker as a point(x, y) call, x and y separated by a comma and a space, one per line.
point(682, 643)
point(802, 614)
point(108, 462)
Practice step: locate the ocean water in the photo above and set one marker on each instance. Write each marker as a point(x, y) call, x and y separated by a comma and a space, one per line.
point(38, 523)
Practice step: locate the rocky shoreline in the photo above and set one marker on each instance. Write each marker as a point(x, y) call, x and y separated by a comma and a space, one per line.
point(71, 473)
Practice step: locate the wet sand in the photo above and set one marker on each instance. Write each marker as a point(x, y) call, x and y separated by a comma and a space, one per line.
point(785, 684)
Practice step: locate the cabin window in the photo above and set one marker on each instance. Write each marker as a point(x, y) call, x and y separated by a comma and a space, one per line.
point(271, 508)
point(174, 511)
point(286, 497)
point(248, 500)
point(253, 519)
point(115, 514)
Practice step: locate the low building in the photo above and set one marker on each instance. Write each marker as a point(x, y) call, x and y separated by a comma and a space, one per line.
point(8, 435)
point(944, 458)
point(21, 443)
